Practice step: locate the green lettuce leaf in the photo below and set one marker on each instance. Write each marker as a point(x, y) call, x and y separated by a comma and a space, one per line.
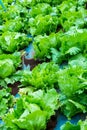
point(32, 109)
point(13, 41)
point(43, 24)
point(42, 76)
point(69, 126)
point(6, 101)
point(81, 125)
point(8, 64)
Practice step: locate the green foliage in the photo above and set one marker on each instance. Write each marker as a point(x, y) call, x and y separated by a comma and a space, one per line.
point(59, 30)
point(73, 51)
point(14, 11)
point(43, 24)
point(68, 80)
point(32, 109)
point(8, 2)
point(71, 14)
point(74, 41)
point(6, 101)
point(29, 3)
point(73, 87)
point(12, 25)
point(1, 18)
point(8, 64)
point(44, 46)
point(69, 126)
point(78, 60)
point(43, 76)
point(13, 41)
point(81, 125)
point(41, 8)
point(6, 68)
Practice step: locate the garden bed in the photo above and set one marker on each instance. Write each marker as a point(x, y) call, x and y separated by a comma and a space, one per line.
point(51, 83)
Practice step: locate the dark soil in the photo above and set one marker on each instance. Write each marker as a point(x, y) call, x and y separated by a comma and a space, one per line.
point(52, 122)
point(14, 88)
point(31, 62)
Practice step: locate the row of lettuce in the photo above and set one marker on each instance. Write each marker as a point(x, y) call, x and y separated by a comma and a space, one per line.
point(59, 30)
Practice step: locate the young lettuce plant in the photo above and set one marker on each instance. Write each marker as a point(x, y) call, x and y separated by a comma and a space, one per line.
point(13, 41)
point(81, 125)
point(72, 85)
point(6, 101)
point(43, 76)
point(33, 110)
point(43, 24)
point(8, 66)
